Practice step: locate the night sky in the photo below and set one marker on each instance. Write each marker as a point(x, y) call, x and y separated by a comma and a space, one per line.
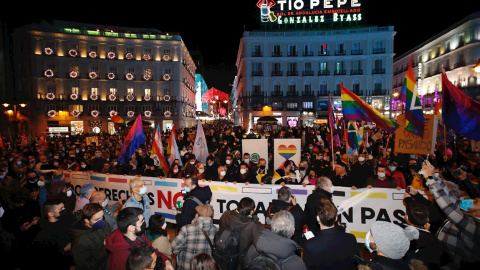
point(215, 27)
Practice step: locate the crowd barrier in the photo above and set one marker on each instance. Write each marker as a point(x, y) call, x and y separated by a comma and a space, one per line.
point(360, 208)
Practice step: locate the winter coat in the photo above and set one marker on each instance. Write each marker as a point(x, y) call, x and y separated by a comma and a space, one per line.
point(295, 210)
point(313, 201)
point(190, 241)
point(271, 244)
point(87, 246)
point(247, 226)
point(204, 194)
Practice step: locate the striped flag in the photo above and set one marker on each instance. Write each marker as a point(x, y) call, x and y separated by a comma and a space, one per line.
point(415, 121)
point(353, 136)
point(157, 151)
point(173, 148)
point(356, 109)
point(200, 148)
point(134, 139)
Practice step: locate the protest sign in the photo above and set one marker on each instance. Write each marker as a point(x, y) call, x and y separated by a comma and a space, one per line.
point(257, 148)
point(409, 143)
point(286, 149)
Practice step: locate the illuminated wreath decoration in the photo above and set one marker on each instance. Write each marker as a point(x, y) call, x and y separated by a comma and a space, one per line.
point(93, 75)
point(129, 56)
point(130, 97)
point(111, 75)
point(166, 77)
point(48, 51)
point(130, 113)
point(113, 113)
point(93, 54)
point(94, 113)
point(51, 113)
point(129, 76)
point(75, 113)
point(73, 96)
point(49, 73)
point(93, 97)
point(73, 53)
point(166, 98)
point(167, 113)
point(111, 55)
point(147, 97)
point(166, 57)
point(147, 57)
point(112, 97)
point(148, 113)
point(50, 96)
point(73, 74)
point(147, 77)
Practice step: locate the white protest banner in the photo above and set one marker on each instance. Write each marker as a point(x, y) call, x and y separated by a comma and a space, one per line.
point(257, 148)
point(360, 207)
point(286, 149)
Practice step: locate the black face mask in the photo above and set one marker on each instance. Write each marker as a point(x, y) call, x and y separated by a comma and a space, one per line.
point(142, 229)
point(32, 179)
point(63, 212)
point(262, 167)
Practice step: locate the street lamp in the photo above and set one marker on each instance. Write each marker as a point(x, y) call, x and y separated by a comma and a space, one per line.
point(477, 66)
point(13, 114)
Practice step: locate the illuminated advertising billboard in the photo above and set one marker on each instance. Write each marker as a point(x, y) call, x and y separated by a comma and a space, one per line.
point(309, 11)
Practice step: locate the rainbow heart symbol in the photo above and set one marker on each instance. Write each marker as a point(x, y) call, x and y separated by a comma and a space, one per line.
point(287, 152)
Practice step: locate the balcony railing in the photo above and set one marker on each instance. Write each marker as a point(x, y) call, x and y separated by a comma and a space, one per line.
point(308, 93)
point(340, 52)
point(277, 93)
point(292, 54)
point(307, 73)
point(378, 50)
point(257, 54)
point(356, 72)
point(378, 71)
point(340, 72)
point(277, 73)
point(379, 92)
point(323, 93)
point(324, 72)
point(257, 73)
point(357, 52)
point(310, 53)
point(320, 53)
point(292, 93)
point(257, 93)
point(276, 54)
point(292, 73)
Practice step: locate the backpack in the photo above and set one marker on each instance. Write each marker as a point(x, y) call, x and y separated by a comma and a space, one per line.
point(264, 261)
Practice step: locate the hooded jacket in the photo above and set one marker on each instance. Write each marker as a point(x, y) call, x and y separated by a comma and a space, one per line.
point(204, 194)
point(87, 246)
point(269, 243)
point(119, 249)
point(247, 226)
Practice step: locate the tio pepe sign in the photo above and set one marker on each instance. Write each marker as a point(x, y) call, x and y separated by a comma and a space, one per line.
point(309, 11)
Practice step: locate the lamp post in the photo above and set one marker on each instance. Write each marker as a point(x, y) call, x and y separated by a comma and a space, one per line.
point(13, 115)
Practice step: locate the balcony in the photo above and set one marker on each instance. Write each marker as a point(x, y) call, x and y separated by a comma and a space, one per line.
point(324, 72)
point(308, 93)
point(257, 73)
point(322, 93)
point(277, 94)
point(378, 50)
point(379, 92)
point(276, 54)
point(292, 54)
point(356, 72)
point(357, 52)
point(257, 54)
point(378, 71)
point(325, 53)
point(257, 93)
point(292, 93)
point(308, 53)
point(292, 73)
point(277, 73)
point(307, 73)
point(340, 72)
point(340, 52)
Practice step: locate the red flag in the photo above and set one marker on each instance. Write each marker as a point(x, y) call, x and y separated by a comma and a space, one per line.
point(157, 151)
point(331, 118)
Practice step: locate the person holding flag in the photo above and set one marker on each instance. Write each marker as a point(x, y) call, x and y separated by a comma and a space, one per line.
point(157, 152)
point(172, 148)
point(132, 142)
point(200, 148)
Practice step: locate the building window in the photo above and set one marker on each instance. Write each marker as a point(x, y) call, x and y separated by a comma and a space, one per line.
point(292, 50)
point(308, 66)
point(72, 108)
point(94, 91)
point(257, 69)
point(51, 107)
point(130, 91)
point(292, 88)
point(51, 89)
point(277, 106)
point(147, 91)
point(340, 49)
point(257, 51)
point(308, 50)
point(292, 105)
point(308, 105)
point(112, 108)
point(276, 50)
point(93, 108)
point(147, 108)
point(75, 90)
point(323, 50)
point(113, 91)
point(132, 108)
point(323, 88)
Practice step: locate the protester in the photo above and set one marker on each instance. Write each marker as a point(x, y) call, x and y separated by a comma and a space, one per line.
point(382, 180)
point(110, 212)
point(139, 198)
point(204, 261)
point(145, 258)
point(84, 197)
point(194, 196)
point(158, 236)
point(323, 190)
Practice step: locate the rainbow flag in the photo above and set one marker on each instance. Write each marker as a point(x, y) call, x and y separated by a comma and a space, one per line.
point(118, 120)
point(157, 151)
point(355, 109)
point(460, 112)
point(172, 150)
point(353, 136)
point(414, 111)
point(132, 142)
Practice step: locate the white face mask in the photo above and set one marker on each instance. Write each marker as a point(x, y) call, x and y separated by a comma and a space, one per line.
point(164, 226)
point(69, 193)
point(192, 162)
point(201, 170)
point(83, 166)
point(105, 203)
point(332, 189)
point(381, 175)
point(142, 190)
point(243, 171)
point(40, 183)
point(436, 174)
point(1, 211)
point(222, 173)
point(228, 161)
point(361, 159)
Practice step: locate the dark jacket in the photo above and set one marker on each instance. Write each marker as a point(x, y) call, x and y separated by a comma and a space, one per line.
point(297, 213)
point(428, 249)
point(247, 226)
point(204, 194)
point(311, 207)
point(360, 173)
point(87, 246)
point(385, 263)
point(330, 249)
point(271, 244)
point(343, 181)
point(392, 183)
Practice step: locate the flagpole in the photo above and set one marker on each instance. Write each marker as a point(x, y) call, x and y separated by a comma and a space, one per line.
point(331, 139)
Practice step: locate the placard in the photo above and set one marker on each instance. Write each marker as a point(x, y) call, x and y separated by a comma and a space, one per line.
point(409, 143)
point(286, 149)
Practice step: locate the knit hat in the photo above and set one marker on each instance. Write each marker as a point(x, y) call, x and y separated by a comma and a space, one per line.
point(391, 239)
point(204, 210)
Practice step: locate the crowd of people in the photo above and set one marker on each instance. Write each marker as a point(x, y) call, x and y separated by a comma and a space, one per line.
point(45, 221)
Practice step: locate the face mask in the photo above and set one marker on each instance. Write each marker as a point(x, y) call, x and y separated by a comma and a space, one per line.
point(436, 174)
point(392, 168)
point(243, 171)
point(83, 166)
point(367, 242)
point(381, 175)
point(41, 183)
point(105, 203)
point(192, 162)
point(301, 168)
point(312, 176)
point(262, 167)
point(98, 155)
point(63, 212)
point(228, 161)
point(99, 224)
point(325, 158)
point(247, 160)
point(69, 193)
point(361, 159)
point(115, 163)
point(201, 170)
point(187, 189)
point(2, 211)
point(142, 190)
point(33, 179)
point(19, 163)
point(222, 173)
point(465, 204)
point(175, 170)
point(164, 226)
point(332, 189)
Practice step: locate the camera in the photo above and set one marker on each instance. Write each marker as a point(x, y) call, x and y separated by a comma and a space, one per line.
point(459, 170)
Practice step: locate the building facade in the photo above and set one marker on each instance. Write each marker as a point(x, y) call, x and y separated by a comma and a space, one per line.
point(456, 49)
point(75, 77)
point(288, 75)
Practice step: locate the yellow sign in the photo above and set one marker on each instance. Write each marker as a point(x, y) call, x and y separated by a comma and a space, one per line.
point(409, 143)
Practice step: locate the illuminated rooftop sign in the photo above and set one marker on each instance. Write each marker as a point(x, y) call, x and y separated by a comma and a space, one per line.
point(309, 11)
